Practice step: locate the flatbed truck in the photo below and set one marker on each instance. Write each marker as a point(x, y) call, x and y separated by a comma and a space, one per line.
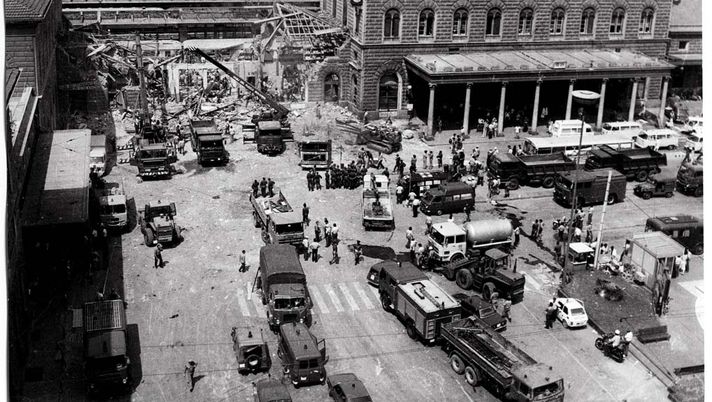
point(280, 224)
point(376, 204)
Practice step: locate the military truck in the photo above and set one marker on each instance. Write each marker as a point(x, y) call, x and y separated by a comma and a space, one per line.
point(690, 179)
point(107, 363)
point(419, 303)
point(112, 205)
point(376, 207)
point(488, 358)
point(635, 163)
point(591, 187)
point(283, 285)
point(280, 224)
point(303, 356)
point(152, 159)
point(268, 136)
point(269, 390)
point(207, 142)
point(157, 222)
point(315, 154)
point(252, 353)
point(514, 171)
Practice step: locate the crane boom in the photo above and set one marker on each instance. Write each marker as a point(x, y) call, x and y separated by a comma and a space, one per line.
point(281, 110)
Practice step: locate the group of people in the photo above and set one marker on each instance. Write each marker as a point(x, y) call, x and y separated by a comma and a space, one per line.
point(330, 236)
point(265, 187)
point(337, 176)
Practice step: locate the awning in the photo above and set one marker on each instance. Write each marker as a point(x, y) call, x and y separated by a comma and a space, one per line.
point(686, 59)
point(526, 65)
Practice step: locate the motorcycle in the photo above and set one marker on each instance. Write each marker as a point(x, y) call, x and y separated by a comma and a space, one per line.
point(603, 343)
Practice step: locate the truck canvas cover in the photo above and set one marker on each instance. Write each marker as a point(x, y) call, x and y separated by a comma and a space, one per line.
point(280, 259)
point(300, 341)
point(407, 272)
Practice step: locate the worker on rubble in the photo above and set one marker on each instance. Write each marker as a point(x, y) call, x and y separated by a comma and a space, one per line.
point(263, 187)
point(270, 186)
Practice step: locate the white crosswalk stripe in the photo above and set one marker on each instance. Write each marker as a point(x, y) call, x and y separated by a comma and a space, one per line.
point(242, 302)
point(334, 298)
point(318, 300)
point(362, 294)
point(349, 298)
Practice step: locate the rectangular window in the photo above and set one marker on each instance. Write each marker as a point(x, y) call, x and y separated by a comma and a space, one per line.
point(682, 45)
point(686, 233)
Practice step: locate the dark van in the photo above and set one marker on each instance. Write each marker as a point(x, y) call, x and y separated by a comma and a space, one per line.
point(303, 357)
point(591, 188)
point(685, 229)
point(420, 182)
point(448, 198)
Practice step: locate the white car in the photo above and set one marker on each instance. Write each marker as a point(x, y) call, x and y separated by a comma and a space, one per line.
point(571, 312)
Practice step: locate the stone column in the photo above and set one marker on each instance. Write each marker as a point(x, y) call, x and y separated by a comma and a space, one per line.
point(569, 99)
point(466, 117)
point(647, 88)
point(601, 103)
point(633, 93)
point(500, 118)
point(431, 107)
point(535, 113)
point(663, 101)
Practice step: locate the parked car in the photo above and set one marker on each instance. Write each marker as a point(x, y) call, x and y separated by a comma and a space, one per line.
point(347, 387)
point(656, 187)
point(571, 312)
point(485, 311)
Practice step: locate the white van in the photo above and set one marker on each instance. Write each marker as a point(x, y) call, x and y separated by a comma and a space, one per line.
point(565, 128)
point(694, 141)
point(694, 124)
point(631, 128)
point(661, 138)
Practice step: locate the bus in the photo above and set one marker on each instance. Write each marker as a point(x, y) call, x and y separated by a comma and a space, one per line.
point(569, 145)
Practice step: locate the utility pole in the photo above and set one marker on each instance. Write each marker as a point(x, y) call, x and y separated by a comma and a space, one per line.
point(603, 215)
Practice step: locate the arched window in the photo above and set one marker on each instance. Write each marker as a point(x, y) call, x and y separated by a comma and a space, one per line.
point(588, 18)
point(459, 22)
point(494, 22)
point(391, 24)
point(331, 88)
point(617, 20)
point(388, 92)
point(426, 23)
point(557, 21)
point(526, 21)
point(354, 85)
point(646, 21)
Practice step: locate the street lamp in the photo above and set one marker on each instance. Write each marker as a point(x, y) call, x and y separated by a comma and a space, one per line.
point(583, 97)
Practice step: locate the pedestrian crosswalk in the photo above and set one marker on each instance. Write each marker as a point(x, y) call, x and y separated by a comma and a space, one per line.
point(328, 298)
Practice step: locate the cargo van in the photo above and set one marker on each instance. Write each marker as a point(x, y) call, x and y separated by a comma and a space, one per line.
point(631, 128)
point(303, 357)
point(448, 198)
point(685, 229)
point(565, 128)
point(662, 138)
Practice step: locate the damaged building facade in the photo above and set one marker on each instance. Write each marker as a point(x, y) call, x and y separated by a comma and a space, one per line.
point(500, 58)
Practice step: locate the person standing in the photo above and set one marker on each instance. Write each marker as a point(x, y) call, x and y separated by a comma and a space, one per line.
point(358, 250)
point(535, 230)
point(317, 180)
point(334, 233)
point(540, 231)
point(255, 188)
point(428, 225)
point(516, 236)
point(399, 193)
point(430, 160)
point(589, 217)
point(550, 315)
point(685, 260)
point(314, 247)
point(243, 262)
point(327, 179)
point(270, 186)
point(189, 373)
point(263, 187)
point(589, 234)
point(305, 214)
point(416, 204)
point(425, 160)
point(413, 247)
point(557, 250)
point(305, 248)
point(627, 339)
point(676, 267)
point(317, 231)
point(158, 256)
point(440, 159)
point(334, 252)
point(310, 181)
point(408, 236)
point(480, 175)
point(327, 232)
point(467, 210)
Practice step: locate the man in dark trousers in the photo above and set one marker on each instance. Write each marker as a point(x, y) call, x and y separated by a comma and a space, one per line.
point(516, 236)
point(305, 214)
point(158, 257)
point(255, 188)
point(358, 250)
point(310, 181)
point(317, 180)
point(440, 159)
point(327, 179)
point(243, 262)
point(550, 315)
point(467, 210)
point(190, 374)
point(270, 187)
point(334, 252)
point(263, 187)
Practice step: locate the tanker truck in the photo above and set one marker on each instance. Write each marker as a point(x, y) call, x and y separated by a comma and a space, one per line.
point(476, 256)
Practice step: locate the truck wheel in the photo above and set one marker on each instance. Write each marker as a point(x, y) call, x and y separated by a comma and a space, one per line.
point(548, 182)
point(472, 376)
point(669, 195)
point(386, 302)
point(646, 196)
point(513, 184)
point(612, 199)
point(410, 330)
point(457, 257)
point(149, 237)
point(439, 212)
point(457, 364)
point(698, 192)
point(464, 279)
point(698, 249)
point(257, 221)
point(641, 175)
point(487, 290)
point(448, 274)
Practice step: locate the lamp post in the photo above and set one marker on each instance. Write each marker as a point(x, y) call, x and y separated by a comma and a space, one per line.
point(583, 97)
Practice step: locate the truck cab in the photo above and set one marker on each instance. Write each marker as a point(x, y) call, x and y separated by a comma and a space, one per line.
point(280, 224)
point(157, 222)
point(105, 346)
point(112, 205)
point(534, 383)
point(303, 356)
point(449, 241)
point(207, 142)
point(268, 136)
point(315, 154)
point(152, 159)
point(690, 179)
